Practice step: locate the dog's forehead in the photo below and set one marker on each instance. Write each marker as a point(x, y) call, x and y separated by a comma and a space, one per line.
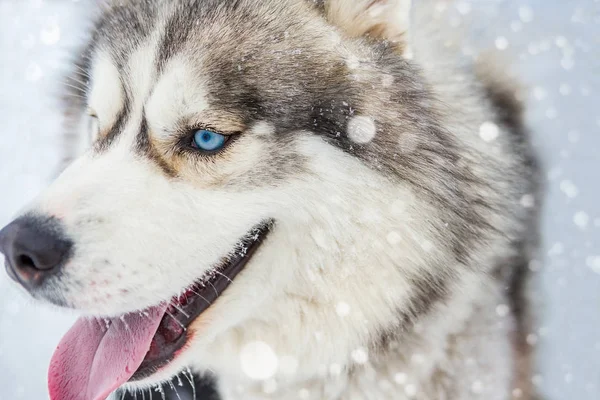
point(203, 40)
point(126, 23)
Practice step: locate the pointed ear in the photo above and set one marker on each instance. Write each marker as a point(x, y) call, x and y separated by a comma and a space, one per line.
point(380, 19)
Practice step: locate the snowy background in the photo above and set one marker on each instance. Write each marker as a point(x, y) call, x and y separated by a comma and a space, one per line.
point(555, 45)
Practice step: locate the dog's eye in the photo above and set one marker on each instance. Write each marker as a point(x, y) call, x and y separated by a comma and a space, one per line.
point(208, 140)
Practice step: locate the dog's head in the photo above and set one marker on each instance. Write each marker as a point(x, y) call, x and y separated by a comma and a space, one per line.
point(259, 184)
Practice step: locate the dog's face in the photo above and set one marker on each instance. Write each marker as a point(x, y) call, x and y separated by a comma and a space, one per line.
point(238, 164)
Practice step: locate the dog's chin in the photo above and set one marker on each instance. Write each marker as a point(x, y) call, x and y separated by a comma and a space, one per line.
point(173, 335)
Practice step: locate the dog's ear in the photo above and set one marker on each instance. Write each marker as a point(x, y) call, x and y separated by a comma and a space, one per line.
point(379, 19)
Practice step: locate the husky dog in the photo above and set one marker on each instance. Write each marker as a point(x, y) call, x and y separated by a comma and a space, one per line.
point(301, 199)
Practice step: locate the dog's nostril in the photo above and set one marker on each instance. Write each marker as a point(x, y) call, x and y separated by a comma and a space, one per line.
point(25, 261)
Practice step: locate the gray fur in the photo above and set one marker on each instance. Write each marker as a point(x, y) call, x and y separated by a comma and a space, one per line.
point(267, 60)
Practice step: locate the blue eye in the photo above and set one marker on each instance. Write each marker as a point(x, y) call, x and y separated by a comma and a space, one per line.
point(208, 140)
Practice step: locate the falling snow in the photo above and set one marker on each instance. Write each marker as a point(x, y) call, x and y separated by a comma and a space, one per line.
point(526, 14)
point(400, 378)
point(360, 355)
point(594, 263)
point(489, 131)
point(502, 310)
point(258, 360)
point(581, 219)
point(410, 390)
point(554, 44)
point(501, 43)
point(569, 189)
point(394, 238)
point(361, 129)
point(528, 201)
point(342, 309)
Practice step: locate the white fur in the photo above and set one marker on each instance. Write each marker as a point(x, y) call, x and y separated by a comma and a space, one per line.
point(105, 84)
point(321, 257)
point(178, 94)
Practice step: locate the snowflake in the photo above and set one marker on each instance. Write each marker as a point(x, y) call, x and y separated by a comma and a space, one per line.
point(400, 378)
point(532, 339)
point(568, 188)
point(526, 14)
point(502, 310)
point(567, 63)
point(258, 360)
point(361, 129)
point(594, 263)
point(501, 43)
point(539, 93)
point(565, 89)
point(489, 131)
point(342, 309)
point(528, 201)
point(360, 355)
point(394, 238)
point(581, 219)
point(556, 249)
point(410, 390)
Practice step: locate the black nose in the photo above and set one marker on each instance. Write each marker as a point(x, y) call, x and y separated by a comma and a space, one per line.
point(35, 248)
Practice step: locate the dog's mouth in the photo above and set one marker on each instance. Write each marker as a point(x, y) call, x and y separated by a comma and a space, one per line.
point(171, 334)
point(99, 355)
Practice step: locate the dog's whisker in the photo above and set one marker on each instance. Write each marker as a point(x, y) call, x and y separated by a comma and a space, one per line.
point(176, 320)
point(82, 70)
point(71, 78)
point(150, 393)
point(123, 394)
point(214, 288)
point(224, 276)
point(77, 96)
point(180, 310)
point(192, 382)
point(202, 297)
point(81, 90)
point(174, 389)
point(179, 382)
point(143, 394)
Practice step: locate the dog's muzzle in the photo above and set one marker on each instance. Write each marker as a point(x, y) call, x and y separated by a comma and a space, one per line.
point(35, 248)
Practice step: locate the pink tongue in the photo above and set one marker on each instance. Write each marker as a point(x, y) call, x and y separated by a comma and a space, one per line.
point(92, 360)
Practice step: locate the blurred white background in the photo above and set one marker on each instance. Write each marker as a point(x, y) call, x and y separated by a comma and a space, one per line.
point(555, 48)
